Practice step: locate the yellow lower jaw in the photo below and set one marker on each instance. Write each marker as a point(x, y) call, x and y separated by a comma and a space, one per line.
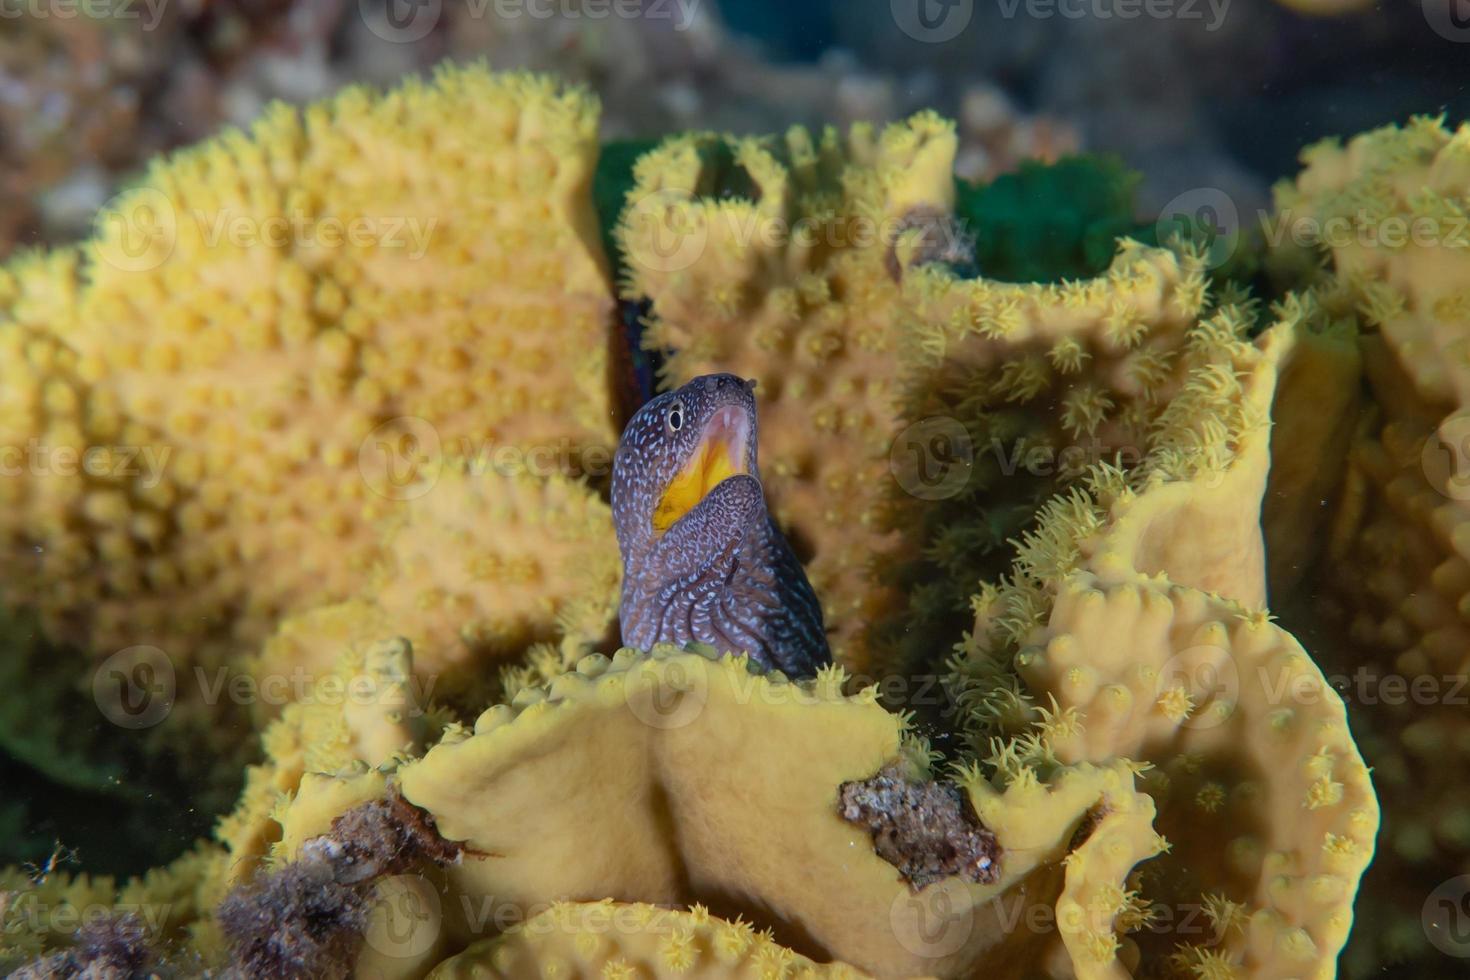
point(709, 467)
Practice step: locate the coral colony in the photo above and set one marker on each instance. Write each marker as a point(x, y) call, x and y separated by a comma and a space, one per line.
point(1060, 715)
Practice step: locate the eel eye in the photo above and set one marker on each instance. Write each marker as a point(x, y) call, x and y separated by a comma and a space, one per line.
point(676, 416)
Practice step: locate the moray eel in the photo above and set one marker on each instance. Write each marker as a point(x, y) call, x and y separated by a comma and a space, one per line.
point(703, 561)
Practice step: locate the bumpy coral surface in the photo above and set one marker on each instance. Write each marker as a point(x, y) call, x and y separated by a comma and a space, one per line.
point(1387, 208)
point(628, 940)
point(482, 565)
point(273, 337)
point(1123, 634)
point(706, 783)
point(835, 272)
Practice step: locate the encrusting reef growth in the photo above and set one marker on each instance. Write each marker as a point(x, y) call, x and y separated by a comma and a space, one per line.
point(1381, 221)
point(1045, 489)
point(271, 345)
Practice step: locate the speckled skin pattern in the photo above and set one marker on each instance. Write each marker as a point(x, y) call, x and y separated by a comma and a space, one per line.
point(723, 574)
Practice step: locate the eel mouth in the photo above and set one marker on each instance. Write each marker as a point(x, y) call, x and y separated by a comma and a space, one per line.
point(721, 454)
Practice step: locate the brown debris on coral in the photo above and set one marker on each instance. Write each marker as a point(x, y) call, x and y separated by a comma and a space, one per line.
point(927, 830)
point(307, 918)
point(297, 921)
point(1090, 822)
point(383, 837)
point(111, 948)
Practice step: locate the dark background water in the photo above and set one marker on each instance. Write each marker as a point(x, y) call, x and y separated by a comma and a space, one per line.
point(1240, 87)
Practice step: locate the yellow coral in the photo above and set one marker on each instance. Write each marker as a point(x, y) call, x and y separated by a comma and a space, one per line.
point(616, 941)
point(822, 277)
point(42, 909)
point(368, 711)
point(274, 338)
point(1252, 783)
point(672, 778)
point(485, 564)
point(1258, 781)
point(1387, 210)
point(1314, 418)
